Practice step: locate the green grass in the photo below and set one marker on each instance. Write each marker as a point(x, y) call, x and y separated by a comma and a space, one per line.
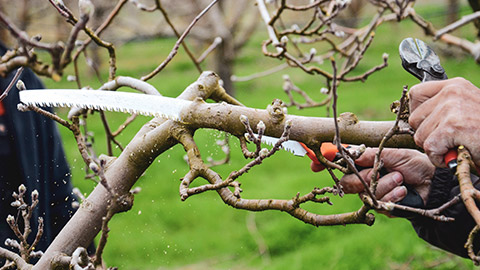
point(161, 232)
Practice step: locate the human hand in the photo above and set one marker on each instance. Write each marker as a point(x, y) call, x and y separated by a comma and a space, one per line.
point(403, 166)
point(445, 116)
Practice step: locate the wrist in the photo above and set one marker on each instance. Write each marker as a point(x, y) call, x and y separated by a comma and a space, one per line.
point(443, 181)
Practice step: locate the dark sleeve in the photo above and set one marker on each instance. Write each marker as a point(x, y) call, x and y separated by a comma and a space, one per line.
point(449, 236)
point(40, 158)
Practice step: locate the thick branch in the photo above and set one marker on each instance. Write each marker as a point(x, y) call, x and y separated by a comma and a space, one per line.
point(309, 130)
point(152, 140)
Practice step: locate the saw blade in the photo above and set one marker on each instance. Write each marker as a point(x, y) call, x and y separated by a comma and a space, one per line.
point(291, 146)
point(143, 104)
point(149, 105)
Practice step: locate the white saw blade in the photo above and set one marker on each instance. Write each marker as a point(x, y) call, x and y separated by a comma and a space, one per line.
point(291, 146)
point(148, 105)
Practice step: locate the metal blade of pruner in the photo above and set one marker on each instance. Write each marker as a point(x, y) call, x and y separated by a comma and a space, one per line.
point(421, 60)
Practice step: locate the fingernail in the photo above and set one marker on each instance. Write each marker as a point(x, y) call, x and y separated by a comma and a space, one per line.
point(397, 177)
point(400, 192)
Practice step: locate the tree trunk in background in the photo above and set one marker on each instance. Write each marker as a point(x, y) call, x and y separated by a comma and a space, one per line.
point(23, 14)
point(224, 56)
point(61, 29)
point(101, 11)
point(475, 4)
point(353, 14)
point(453, 8)
point(4, 37)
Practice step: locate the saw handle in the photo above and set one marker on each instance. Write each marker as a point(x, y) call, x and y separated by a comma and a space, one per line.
point(328, 150)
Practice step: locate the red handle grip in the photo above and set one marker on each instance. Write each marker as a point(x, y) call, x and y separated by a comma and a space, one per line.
point(328, 150)
point(450, 158)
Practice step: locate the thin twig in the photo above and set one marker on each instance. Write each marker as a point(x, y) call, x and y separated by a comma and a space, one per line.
point(12, 83)
point(260, 74)
point(196, 62)
point(213, 46)
point(378, 162)
point(469, 245)
point(337, 140)
point(174, 51)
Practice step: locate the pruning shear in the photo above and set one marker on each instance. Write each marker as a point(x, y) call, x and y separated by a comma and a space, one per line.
point(422, 62)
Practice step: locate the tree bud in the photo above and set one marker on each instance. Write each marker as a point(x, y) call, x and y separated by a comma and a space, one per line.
point(86, 8)
point(75, 205)
point(261, 125)
point(94, 167)
point(244, 119)
point(263, 153)
point(339, 34)
point(136, 190)
point(288, 123)
point(58, 2)
point(218, 40)
point(16, 204)
point(22, 188)
point(35, 195)
point(20, 85)
point(22, 107)
point(10, 219)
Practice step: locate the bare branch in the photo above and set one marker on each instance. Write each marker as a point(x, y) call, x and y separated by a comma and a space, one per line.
point(451, 27)
point(12, 83)
point(174, 51)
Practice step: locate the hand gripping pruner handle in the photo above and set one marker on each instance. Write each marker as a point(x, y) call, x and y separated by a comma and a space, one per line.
point(422, 62)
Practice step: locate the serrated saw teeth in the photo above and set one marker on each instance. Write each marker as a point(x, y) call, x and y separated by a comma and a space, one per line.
point(148, 105)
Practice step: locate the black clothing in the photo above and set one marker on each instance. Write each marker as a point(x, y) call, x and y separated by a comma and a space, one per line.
point(31, 153)
point(450, 236)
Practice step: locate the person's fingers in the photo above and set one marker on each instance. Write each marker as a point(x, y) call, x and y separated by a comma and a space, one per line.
point(387, 183)
point(423, 125)
point(367, 158)
point(436, 146)
point(395, 195)
point(391, 157)
point(437, 134)
point(445, 103)
point(316, 167)
point(351, 184)
point(420, 93)
point(422, 113)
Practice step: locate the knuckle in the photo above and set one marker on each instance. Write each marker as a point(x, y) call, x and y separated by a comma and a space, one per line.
point(429, 145)
point(452, 90)
point(419, 139)
point(415, 119)
point(460, 82)
point(412, 93)
point(349, 186)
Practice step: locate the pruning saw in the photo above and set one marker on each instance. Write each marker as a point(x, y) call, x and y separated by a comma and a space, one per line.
point(148, 105)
